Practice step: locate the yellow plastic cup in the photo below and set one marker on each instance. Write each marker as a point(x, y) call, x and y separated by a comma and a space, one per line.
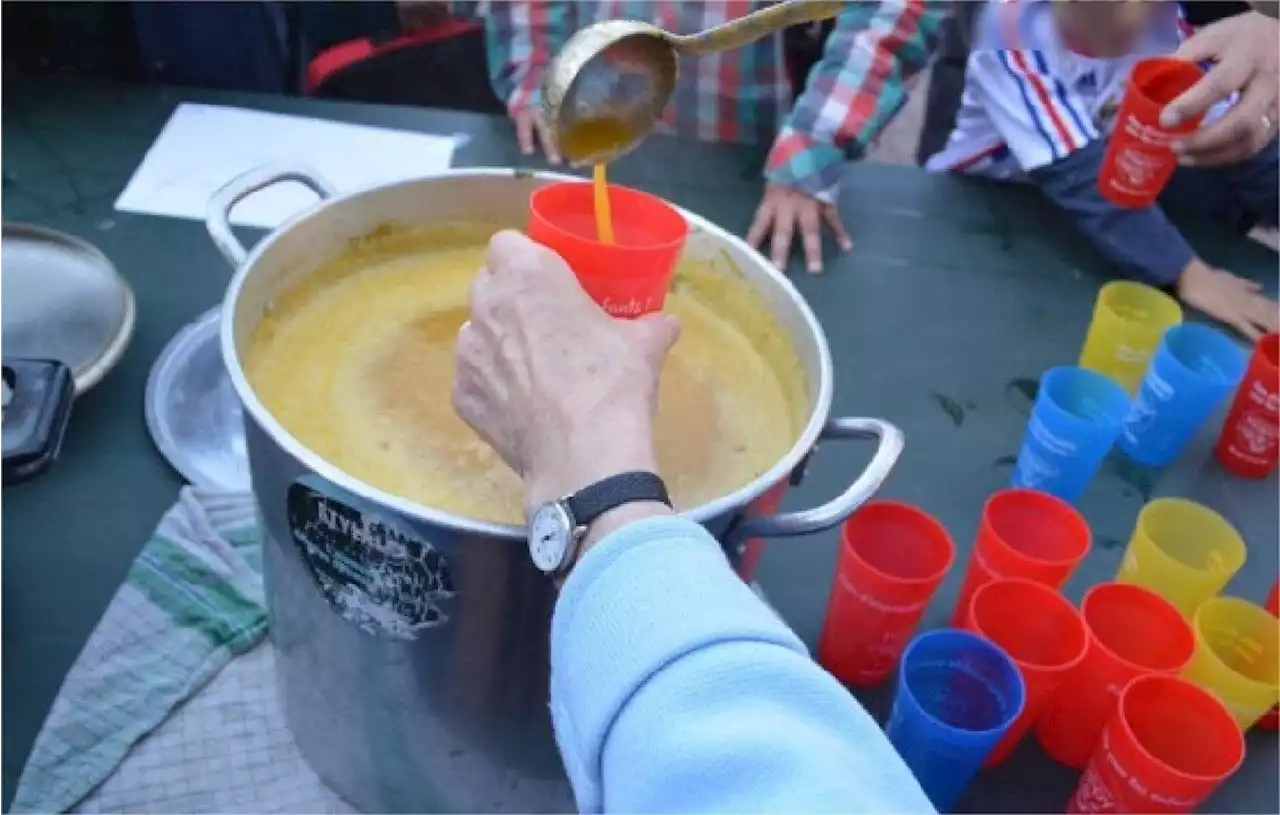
point(1182, 551)
point(1237, 656)
point(1128, 321)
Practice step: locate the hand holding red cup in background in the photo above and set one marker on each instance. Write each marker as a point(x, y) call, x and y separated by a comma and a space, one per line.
point(1250, 442)
point(628, 278)
point(1140, 157)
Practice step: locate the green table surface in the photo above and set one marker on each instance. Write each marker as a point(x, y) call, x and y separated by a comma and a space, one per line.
point(957, 295)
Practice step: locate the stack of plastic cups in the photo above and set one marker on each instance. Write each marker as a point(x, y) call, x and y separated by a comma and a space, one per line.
point(1128, 321)
point(1250, 442)
point(1270, 720)
point(1133, 632)
point(1168, 746)
point(957, 695)
point(1041, 632)
point(1191, 374)
point(1237, 656)
point(892, 557)
point(1074, 423)
point(1182, 551)
point(1027, 534)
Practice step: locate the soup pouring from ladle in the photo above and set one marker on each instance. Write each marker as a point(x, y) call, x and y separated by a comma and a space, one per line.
point(608, 86)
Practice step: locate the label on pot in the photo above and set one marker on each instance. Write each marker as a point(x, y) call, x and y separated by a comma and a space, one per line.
point(374, 572)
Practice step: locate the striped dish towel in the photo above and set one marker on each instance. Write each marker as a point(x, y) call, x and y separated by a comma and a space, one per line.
point(192, 601)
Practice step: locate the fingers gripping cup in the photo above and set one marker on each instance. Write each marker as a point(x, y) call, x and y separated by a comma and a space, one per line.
point(1074, 422)
point(1167, 747)
point(1182, 551)
point(1132, 632)
point(629, 277)
point(1192, 372)
point(891, 559)
point(1027, 534)
point(1237, 656)
point(1041, 632)
point(1139, 159)
point(957, 695)
point(1250, 440)
point(1128, 321)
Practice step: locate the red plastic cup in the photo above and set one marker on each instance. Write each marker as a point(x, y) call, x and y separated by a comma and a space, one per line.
point(1041, 632)
point(1140, 158)
point(892, 558)
point(1023, 533)
point(1132, 632)
point(1272, 719)
point(1169, 744)
point(1250, 440)
point(628, 278)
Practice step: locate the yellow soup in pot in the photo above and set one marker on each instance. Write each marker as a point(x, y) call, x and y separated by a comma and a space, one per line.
point(356, 362)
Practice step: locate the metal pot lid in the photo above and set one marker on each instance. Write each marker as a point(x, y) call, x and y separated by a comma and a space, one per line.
point(63, 300)
point(192, 411)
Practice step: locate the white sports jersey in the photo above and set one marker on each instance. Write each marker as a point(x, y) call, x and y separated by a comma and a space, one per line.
point(1029, 100)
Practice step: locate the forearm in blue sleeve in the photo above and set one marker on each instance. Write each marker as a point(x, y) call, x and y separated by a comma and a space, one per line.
point(674, 688)
point(1141, 241)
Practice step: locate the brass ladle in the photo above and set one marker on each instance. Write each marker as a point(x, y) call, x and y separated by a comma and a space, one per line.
point(605, 90)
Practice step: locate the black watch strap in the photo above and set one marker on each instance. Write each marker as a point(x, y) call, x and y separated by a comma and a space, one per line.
point(609, 493)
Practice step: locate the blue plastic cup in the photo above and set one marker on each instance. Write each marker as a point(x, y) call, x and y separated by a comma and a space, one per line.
point(1193, 370)
point(957, 695)
point(1075, 420)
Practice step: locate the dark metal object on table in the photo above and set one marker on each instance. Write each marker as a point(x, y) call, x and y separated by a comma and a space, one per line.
point(38, 394)
point(392, 667)
point(607, 87)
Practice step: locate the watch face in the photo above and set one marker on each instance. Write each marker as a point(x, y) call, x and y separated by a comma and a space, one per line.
point(550, 535)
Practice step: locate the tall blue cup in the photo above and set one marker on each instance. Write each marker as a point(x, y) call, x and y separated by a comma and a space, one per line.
point(1075, 420)
point(1192, 371)
point(957, 695)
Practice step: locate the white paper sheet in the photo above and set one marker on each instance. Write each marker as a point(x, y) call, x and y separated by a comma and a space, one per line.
point(202, 147)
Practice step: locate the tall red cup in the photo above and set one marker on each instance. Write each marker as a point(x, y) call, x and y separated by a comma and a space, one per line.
point(1132, 632)
point(629, 277)
point(1168, 745)
point(1041, 632)
point(892, 557)
point(1270, 720)
point(1140, 158)
point(1023, 533)
point(1250, 440)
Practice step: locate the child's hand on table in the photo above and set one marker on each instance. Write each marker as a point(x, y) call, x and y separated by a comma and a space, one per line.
point(1233, 300)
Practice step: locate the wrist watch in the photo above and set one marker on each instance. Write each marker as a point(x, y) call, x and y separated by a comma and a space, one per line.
point(556, 528)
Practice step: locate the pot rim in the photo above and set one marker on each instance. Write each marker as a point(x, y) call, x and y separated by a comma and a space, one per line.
point(725, 504)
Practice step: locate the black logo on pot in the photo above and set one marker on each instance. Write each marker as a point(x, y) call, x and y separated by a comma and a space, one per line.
point(375, 574)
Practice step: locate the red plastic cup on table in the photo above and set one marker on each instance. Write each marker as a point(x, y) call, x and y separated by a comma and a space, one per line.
point(1139, 159)
point(891, 559)
point(1168, 745)
point(1272, 719)
point(1132, 632)
point(1041, 632)
point(629, 277)
point(1023, 533)
point(1250, 440)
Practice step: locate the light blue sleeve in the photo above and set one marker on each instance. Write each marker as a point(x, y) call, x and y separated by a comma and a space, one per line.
point(675, 689)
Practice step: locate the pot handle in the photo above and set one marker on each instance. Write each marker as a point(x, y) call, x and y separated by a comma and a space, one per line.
point(835, 511)
point(218, 215)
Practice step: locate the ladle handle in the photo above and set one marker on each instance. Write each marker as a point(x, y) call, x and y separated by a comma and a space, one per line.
point(218, 216)
point(757, 25)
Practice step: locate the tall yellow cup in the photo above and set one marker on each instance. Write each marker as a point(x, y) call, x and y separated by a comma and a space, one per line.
point(1128, 321)
point(1237, 656)
point(1182, 551)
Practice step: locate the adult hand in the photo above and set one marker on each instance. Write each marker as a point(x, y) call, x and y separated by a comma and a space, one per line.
point(783, 209)
point(532, 131)
point(562, 391)
point(1243, 48)
point(1236, 301)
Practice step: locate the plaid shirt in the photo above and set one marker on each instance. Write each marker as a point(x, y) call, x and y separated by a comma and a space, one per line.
point(852, 92)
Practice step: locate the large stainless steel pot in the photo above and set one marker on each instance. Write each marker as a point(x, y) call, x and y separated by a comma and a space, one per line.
point(412, 643)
